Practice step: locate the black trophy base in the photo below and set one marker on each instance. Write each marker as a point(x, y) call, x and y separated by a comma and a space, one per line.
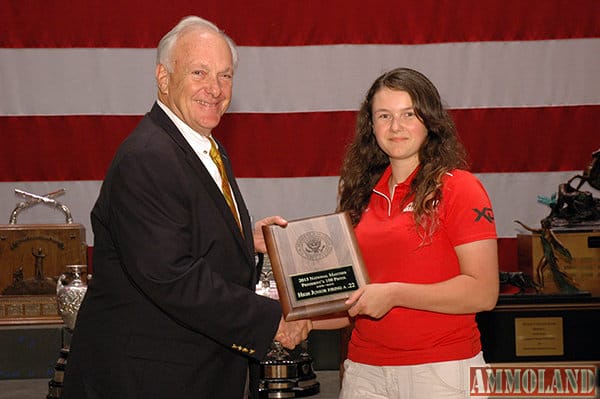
point(506, 338)
point(284, 375)
point(56, 383)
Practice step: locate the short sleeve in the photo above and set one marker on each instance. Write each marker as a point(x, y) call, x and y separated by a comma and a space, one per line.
point(466, 210)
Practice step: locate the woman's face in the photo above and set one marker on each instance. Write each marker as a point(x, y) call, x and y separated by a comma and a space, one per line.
point(398, 130)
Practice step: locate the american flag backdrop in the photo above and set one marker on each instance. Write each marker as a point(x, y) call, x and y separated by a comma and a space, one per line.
point(521, 77)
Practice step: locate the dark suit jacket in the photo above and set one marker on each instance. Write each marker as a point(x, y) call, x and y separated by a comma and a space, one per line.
point(171, 310)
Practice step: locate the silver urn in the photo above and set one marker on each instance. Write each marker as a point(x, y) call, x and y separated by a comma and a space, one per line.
point(70, 290)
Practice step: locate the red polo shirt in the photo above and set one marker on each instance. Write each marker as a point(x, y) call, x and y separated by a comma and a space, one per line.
point(392, 251)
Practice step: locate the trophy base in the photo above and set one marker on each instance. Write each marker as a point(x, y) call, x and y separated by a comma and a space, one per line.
point(289, 378)
point(290, 393)
point(56, 383)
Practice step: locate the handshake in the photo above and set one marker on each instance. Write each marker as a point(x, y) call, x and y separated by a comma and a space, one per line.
point(292, 333)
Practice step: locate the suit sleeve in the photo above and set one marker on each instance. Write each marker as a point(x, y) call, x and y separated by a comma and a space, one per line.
point(160, 224)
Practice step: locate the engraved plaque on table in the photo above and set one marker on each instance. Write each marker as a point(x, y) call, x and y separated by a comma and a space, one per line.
point(316, 263)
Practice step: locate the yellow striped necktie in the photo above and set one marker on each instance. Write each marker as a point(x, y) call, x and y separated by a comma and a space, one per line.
point(225, 187)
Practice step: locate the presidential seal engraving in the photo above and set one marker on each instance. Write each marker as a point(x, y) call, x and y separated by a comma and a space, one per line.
point(314, 245)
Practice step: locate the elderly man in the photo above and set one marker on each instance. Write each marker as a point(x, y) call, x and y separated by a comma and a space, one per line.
point(171, 311)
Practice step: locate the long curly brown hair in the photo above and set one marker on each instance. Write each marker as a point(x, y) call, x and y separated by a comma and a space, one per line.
point(364, 162)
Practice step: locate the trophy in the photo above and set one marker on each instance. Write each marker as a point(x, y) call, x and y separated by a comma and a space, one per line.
point(316, 264)
point(572, 210)
point(70, 290)
point(283, 374)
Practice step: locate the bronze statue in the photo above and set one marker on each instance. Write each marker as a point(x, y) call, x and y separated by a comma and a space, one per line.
point(553, 250)
point(520, 280)
point(570, 207)
point(39, 256)
point(18, 275)
point(576, 207)
point(38, 285)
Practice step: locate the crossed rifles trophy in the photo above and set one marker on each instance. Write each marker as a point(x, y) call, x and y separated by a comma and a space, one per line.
point(62, 250)
point(312, 267)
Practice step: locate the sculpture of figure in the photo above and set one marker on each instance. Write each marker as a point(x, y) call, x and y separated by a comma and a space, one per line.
point(574, 206)
point(39, 263)
point(37, 285)
point(520, 280)
point(591, 174)
point(569, 207)
point(18, 275)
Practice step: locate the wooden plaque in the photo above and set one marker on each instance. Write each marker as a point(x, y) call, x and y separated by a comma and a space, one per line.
point(32, 257)
point(316, 264)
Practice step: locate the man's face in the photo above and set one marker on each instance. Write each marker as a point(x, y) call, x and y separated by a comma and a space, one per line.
point(198, 90)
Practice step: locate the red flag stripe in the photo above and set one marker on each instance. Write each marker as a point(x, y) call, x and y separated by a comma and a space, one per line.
point(137, 24)
point(294, 145)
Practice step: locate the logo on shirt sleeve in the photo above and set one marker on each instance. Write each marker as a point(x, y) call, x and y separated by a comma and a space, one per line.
point(485, 213)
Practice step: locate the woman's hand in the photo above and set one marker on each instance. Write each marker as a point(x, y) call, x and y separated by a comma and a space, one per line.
point(374, 300)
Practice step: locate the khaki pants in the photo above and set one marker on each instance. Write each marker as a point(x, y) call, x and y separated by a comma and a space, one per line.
point(424, 381)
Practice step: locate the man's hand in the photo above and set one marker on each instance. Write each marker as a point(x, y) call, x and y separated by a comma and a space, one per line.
point(291, 333)
point(259, 239)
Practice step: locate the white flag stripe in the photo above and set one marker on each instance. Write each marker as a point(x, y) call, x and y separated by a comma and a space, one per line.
point(513, 195)
point(308, 78)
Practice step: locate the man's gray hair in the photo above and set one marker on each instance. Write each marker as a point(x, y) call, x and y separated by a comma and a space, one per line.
point(165, 46)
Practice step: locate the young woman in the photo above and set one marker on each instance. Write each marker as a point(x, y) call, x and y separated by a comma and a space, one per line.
point(426, 230)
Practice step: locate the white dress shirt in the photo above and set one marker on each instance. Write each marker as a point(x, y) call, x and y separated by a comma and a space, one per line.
point(201, 146)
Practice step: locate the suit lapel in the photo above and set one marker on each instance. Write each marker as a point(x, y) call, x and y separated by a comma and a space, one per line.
point(245, 241)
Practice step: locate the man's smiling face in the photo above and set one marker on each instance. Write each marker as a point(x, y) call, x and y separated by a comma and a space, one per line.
point(198, 88)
